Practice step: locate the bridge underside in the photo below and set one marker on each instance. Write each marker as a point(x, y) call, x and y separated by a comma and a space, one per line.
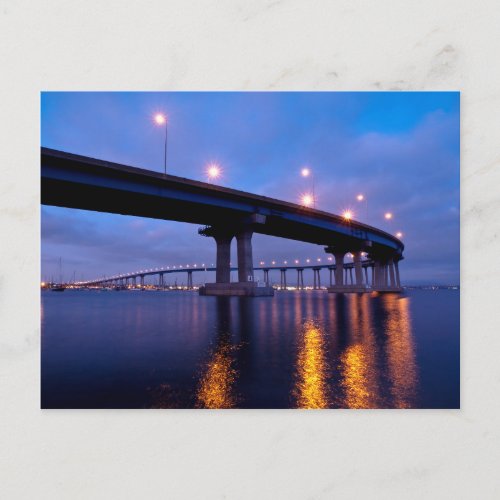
point(84, 183)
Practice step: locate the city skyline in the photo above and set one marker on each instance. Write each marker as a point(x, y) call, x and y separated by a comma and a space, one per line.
point(400, 151)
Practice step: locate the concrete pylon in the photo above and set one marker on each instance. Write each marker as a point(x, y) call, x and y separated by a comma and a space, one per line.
point(223, 259)
point(358, 268)
point(339, 267)
point(391, 276)
point(266, 276)
point(396, 268)
point(317, 279)
point(300, 279)
point(245, 257)
point(283, 279)
point(246, 286)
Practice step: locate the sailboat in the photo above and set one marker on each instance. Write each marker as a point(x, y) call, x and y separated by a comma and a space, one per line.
point(60, 287)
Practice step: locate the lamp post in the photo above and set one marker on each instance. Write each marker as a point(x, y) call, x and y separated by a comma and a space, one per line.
point(361, 198)
point(161, 119)
point(213, 171)
point(306, 172)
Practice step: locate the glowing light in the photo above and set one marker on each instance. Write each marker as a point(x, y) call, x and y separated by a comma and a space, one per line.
point(261, 262)
point(160, 119)
point(273, 262)
point(388, 215)
point(216, 385)
point(213, 171)
point(360, 197)
point(296, 261)
point(305, 172)
point(311, 384)
point(318, 259)
point(330, 258)
point(285, 262)
point(308, 260)
point(347, 214)
point(399, 235)
point(307, 200)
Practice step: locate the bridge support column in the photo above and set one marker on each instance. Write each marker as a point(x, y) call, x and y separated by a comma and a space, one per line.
point(266, 277)
point(358, 268)
point(246, 286)
point(245, 257)
point(283, 279)
point(392, 277)
point(317, 279)
point(190, 280)
point(386, 274)
point(223, 269)
point(344, 272)
point(330, 270)
point(339, 268)
point(300, 279)
point(396, 268)
point(142, 280)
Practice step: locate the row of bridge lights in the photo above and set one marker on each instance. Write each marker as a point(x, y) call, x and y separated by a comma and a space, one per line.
point(213, 172)
point(308, 261)
point(203, 266)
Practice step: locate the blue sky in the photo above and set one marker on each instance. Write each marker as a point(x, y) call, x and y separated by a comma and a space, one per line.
point(399, 149)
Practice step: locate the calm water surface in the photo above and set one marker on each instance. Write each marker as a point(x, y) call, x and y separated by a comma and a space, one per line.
point(308, 349)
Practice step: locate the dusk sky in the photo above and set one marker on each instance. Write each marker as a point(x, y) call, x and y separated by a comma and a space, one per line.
point(401, 150)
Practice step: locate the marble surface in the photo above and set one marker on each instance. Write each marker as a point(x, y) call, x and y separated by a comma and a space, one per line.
point(271, 45)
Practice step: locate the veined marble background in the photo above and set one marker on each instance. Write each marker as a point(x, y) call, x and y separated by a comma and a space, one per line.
point(249, 45)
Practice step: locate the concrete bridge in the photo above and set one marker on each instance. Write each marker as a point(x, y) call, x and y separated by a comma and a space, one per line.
point(138, 278)
point(74, 181)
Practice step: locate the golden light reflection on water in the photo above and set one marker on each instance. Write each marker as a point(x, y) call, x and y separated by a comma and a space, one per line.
point(402, 366)
point(216, 386)
point(355, 377)
point(311, 387)
point(357, 363)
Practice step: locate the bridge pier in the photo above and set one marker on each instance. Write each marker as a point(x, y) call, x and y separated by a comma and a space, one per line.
point(190, 280)
point(386, 274)
point(283, 279)
point(266, 276)
point(317, 279)
point(341, 269)
point(300, 279)
point(246, 285)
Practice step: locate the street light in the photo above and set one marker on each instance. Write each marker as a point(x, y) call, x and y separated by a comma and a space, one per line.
point(213, 171)
point(307, 199)
point(307, 172)
point(388, 215)
point(347, 214)
point(161, 119)
point(399, 235)
point(361, 197)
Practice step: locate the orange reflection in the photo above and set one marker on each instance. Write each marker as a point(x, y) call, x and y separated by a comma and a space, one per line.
point(311, 387)
point(216, 384)
point(358, 367)
point(402, 367)
point(355, 377)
